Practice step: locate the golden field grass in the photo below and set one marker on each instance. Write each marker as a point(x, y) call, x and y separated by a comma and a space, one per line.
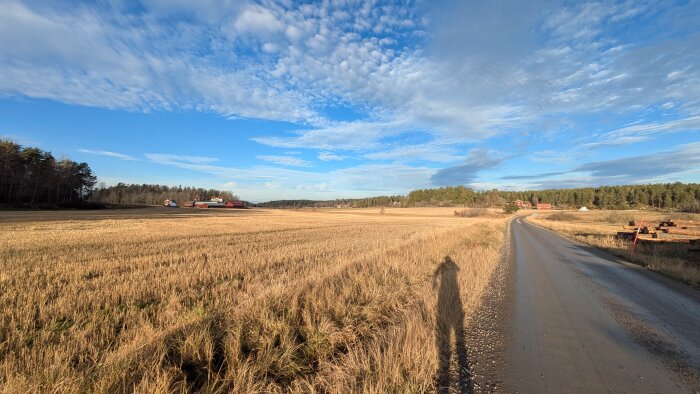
point(599, 228)
point(159, 300)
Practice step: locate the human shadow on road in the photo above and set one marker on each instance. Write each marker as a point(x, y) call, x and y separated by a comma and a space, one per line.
point(450, 319)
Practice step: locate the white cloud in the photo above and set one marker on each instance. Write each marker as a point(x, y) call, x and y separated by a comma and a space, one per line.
point(356, 135)
point(614, 141)
point(270, 47)
point(474, 72)
point(257, 20)
point(381, 178)
point(691, 123)
point(260, 183)
point(552, 156)
point(138, 62)
point(496, 82)
point(674, 75)
point(438, 153)
point(164, 158)
point(330, 156)
point(106, 153)
point(644, 131)
point(294, 33)
point(90, 56)
point(285, 160)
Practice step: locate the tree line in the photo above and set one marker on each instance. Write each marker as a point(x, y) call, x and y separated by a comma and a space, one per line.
point(154, 194)
point(685, 196)
point(369, 202)
point(31, 176)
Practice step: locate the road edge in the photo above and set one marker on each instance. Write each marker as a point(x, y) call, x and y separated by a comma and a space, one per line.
point(488, 331)
point(666, 280)
point(673, 356)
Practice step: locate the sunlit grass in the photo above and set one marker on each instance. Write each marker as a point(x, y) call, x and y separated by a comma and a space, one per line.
point(326, 300)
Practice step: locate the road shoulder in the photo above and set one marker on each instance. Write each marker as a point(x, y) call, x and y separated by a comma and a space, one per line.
point(488, 332)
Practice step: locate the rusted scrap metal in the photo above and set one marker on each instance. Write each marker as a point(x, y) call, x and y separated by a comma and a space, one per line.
point(685, 223)
point(653, 239)
point(667, 231)
point(681, 231)
point(679, 223)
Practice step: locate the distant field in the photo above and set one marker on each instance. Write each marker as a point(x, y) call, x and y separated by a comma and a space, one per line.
point(599, 228)
point(162, 300)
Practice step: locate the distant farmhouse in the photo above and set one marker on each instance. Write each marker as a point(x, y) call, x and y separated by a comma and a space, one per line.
point(523, 204)
point(527, 205)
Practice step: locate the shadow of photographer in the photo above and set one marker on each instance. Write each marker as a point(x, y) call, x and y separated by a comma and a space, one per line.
point(450, 321)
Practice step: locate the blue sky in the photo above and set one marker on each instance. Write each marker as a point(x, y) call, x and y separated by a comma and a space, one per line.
point(281, 100)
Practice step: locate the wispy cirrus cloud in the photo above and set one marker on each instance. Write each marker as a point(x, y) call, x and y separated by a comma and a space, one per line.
point(165, 158)
point(285, 160)
point(535, 176)
point(357, 135)
point(225, 172)
point(105, 153)
point(618, 141)
point(643, 131)
point(432, 152)
point(266, 182)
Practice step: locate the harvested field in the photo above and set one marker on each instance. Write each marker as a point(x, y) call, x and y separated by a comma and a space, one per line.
point(672, 253)
point(163, 300)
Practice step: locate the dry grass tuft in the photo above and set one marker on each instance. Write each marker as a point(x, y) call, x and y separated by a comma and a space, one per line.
point(472, 212)
point(562, 217)
point(271, 301)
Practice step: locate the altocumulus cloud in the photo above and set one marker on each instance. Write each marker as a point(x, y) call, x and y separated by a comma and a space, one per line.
point(461, 74)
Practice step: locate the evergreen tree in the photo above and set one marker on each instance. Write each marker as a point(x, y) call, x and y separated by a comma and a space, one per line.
point(32, 176)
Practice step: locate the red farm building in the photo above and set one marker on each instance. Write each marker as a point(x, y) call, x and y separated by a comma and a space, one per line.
point(523, 204)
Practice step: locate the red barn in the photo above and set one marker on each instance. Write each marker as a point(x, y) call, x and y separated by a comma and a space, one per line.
point(544, 206)
point(523, 204)
point(235, 204)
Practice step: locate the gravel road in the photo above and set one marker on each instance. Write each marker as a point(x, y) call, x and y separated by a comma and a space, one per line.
point(584, 322)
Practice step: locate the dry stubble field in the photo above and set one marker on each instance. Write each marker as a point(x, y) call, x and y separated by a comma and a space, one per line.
point(178, 300)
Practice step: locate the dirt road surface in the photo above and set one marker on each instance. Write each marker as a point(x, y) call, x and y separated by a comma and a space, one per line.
point(583, 322)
